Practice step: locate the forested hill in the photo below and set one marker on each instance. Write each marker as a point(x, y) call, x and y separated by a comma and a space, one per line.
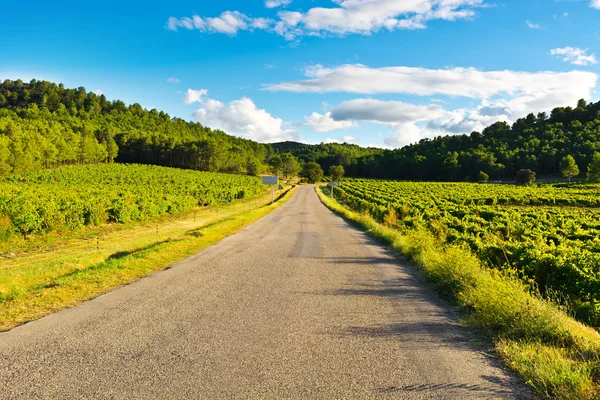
point(537, 142)
point(43, 124)
point(355, 159)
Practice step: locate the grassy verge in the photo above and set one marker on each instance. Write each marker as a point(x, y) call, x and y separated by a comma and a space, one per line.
point(555, 355)
point(63, 273)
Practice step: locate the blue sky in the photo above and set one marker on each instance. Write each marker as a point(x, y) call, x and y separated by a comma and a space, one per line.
point(374, 72)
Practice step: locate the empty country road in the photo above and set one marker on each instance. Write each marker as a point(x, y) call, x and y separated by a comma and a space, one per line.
point(297, 305)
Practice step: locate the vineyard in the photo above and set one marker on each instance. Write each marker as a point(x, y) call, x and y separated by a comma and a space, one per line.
point(72, 197)
point(547, 236)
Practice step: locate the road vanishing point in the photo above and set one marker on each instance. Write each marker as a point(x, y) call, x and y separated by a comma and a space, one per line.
point(298, 305)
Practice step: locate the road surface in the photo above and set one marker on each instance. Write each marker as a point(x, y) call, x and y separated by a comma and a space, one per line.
point(297, 305)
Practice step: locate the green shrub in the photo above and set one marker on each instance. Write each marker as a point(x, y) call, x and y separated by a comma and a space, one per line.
point(5, 227)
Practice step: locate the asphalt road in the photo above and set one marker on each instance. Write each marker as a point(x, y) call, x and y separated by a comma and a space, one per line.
point(297, 305)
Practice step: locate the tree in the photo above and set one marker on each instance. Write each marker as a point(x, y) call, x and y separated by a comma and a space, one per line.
point(483, 177)
point(254, 167)
point(289, 165)
point(525, 177)
point(336, 172)
point(568, 167)
point(451, 165)
point(313, 172)
point(5, 155)
point(112, 149)
point(276, 164)
point(593, 171)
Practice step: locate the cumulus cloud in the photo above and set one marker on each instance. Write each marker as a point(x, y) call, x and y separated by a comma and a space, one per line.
point(406, 134)
point(362, 17)
point(324, 122)
point(457, 82)
point(502, 96)
point(243, 118)
point(173, 80)
point(575, 55)
point(384, 111)
point(406, 119)
point(277, 3)
point(368, 16)
point(194, 96)
point(412, 123)
point(595, 4)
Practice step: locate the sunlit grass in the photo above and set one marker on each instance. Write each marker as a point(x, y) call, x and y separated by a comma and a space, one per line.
point(48, 274)
point(556, 355)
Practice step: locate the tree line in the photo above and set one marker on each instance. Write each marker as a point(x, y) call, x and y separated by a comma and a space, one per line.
point(43, 124)
point(537, 142)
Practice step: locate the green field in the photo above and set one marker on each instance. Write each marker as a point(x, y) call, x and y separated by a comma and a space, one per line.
point(76, 232)
point(546, 236)
point(70, 198)
point(554, 354)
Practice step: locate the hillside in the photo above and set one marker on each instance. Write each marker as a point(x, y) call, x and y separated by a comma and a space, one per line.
point(43, 124)
point(535, 142)
point(355, 159)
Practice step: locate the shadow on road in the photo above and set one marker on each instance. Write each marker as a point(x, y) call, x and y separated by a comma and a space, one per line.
point(450, 387)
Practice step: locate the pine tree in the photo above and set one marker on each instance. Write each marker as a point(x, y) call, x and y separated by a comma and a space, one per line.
point(336, 172)
point(483, 177)
point(568, 167)
point(593, 172)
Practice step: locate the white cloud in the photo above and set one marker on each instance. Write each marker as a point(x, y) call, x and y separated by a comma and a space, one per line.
point(412, 123)
point(362, 17)
point(531, 25)
point(229, 22)
point(368, 16)
point(98, 92)
point(502, 95)
point(343, 139)
point(324, 123)
point(406, 119)
point(277, 3)
point(242, 117)
point(384, 112)
point(595, 4)
point(173, 80)
point(575, 55)
point(194, 96)
point(456, 82)
point(406, 134)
